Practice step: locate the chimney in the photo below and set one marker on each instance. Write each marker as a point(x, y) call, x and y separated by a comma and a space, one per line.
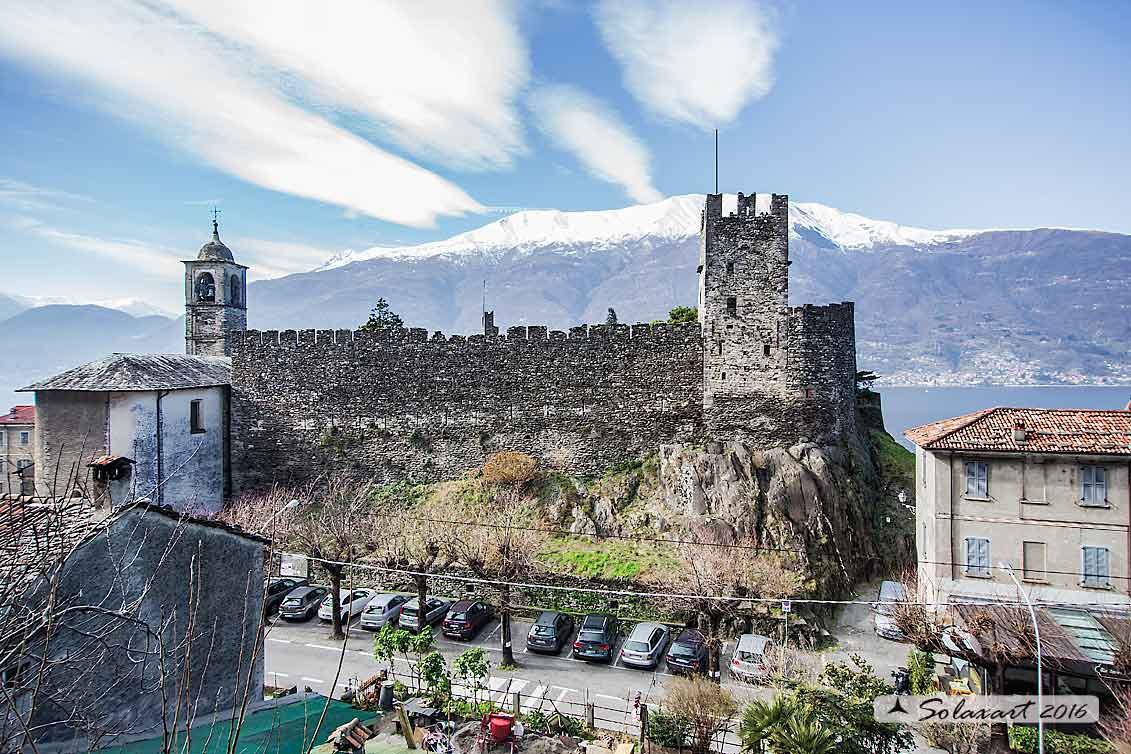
point(1020, 435)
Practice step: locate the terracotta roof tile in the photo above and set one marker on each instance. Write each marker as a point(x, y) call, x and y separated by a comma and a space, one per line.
point(19, 415)
point(1047, 430)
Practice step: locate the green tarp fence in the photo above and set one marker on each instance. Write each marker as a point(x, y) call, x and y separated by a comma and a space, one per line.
point(284, 727)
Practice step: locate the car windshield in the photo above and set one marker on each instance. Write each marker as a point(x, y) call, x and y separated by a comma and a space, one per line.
point(591, 636)
point(375, 607)
point(459, 616)
point(636, 646)
point(409, 611)
point(543, 630)
point(684, 650)
point(297, 601)
point(749, 657)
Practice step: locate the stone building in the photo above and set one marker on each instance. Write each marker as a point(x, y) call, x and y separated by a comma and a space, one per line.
point(405, 403)
point(158, 621)
point(17, 451)
point(215, 299)
point(1045, 491)
point(167, 413)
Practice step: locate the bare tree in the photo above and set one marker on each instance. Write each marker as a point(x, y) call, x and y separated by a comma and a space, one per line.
point(505, 545)
point(706, 706)
point(719, 577)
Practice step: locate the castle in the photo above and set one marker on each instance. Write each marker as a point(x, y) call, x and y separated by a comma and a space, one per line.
point(404, 403)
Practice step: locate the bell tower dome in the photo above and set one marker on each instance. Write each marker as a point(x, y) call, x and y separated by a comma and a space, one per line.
point(215, 298)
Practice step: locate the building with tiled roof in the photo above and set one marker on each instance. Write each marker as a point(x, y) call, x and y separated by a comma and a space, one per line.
point(17, 450)
point(167, 413)
point(1042, 491)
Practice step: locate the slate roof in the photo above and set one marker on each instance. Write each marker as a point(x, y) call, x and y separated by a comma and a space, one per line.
point(136, 371)
point(1075, 431)
point(19, 415)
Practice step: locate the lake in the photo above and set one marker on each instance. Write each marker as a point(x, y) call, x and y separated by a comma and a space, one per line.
point(906, 407)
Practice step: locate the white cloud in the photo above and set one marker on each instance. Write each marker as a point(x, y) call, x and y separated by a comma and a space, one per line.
point(580, 124)
point(29, 197)
point(272, 259)
point(129, 253)
point(688, 62)
point(441, 78)
point(146, 63)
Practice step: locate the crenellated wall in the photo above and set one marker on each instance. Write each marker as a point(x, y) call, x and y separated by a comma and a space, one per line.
point(404, 404)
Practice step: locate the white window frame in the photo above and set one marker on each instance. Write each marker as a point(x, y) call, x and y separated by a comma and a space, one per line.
point(1093, 486)
point(1101, 579)
point(3, 437)
point(984, 493)
point(975, 566)
point(923, 467)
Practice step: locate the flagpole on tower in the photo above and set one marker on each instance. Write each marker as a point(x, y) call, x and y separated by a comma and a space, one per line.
point(716, 160)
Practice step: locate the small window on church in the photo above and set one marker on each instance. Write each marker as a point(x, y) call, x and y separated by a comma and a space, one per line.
point(196, 417)
point(730, 268)
point(724, 375)
point(732, 305)
point(206, 287)
point(766, 349)
point(235, 290)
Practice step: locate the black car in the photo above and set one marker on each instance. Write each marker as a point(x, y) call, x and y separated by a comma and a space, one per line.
point(465, 618)
point(597, 639)
point(550, 632)
point(277, 589)
point(302, 603)
point(688, 653)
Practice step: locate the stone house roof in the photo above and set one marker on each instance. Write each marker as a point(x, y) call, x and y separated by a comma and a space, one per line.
point(19, 415)
point(1040, 430)
point(121, 372)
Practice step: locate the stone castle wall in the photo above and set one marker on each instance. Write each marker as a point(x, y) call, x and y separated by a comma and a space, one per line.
point(402, 404)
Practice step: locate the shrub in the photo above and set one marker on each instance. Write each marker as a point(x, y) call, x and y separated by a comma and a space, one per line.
point(666, 729)
point(1024, 739)
point(921, 671)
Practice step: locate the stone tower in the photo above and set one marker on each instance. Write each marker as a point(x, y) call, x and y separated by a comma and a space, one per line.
point(215, 299)
point(743, 301)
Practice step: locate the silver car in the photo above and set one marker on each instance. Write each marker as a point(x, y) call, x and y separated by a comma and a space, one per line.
point(351, 602)
point(749, 658)
point(645, 645)
point(382, 609)
point(891, 594)
point(410, 613)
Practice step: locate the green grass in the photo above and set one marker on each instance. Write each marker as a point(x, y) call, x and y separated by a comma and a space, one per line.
point(615, 559)
point(897, 461)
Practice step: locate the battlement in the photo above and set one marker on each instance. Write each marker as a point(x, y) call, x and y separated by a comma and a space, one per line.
point(394, 337)
point(828, 316)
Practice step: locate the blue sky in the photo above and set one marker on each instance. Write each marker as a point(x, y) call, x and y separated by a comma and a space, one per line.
point(365, 123)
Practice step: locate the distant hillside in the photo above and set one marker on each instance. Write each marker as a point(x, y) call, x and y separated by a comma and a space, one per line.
point(46, 340)
point(933, 307)
point(10, 307)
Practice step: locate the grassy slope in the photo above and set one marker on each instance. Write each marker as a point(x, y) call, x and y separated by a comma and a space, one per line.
point(607, 559)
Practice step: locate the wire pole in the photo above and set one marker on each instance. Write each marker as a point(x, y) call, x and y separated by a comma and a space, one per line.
point(1008, 568)
point(716, 160)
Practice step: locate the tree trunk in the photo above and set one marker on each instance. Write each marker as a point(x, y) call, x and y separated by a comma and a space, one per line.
point(715, 646)
point(336, 602)
point(505, 619)
point(422, 599)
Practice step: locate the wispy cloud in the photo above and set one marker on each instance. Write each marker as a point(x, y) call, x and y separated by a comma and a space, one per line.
point(28, 197)
point(687, 63)
point(442, 79)
point(581, 124)
point(149, 63)
point(128, 253)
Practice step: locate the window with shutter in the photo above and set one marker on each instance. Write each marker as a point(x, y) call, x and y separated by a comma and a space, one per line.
point(977, 478)
point(977, 556)
point(1093, 485)
point(1096, 567)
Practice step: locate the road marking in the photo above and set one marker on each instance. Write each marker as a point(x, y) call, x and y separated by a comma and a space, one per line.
point(565, 692)
point(606, 696)
point(288, 641)
point(540, 692)
point(500, 625)
point(323, 646)
point(313, 680)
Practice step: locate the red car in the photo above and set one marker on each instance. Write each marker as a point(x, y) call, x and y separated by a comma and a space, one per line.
point(465, 619)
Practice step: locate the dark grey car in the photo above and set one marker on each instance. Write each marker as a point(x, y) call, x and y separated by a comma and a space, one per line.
point(644, 647)
point(277, 590)
point(597, 639)
point(410, 613)
point(302, 603)
point(688, 652)
point(550, 632)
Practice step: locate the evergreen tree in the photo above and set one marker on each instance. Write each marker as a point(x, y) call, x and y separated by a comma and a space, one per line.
point(611, 318)
point(381, 317)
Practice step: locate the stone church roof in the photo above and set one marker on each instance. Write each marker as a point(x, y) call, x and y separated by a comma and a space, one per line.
point(215, 250)
point(141, 371)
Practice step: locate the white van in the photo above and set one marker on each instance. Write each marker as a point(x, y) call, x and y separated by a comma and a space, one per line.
point(890, 592)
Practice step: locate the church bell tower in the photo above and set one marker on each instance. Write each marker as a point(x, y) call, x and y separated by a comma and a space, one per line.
point(215, 298)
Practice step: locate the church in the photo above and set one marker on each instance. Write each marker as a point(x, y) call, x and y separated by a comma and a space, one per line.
point(151, 426)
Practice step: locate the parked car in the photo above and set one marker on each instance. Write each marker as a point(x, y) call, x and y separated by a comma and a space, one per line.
point(410, 613)
point(688, 652)
point(550, 632)
point(749, 656)
point(302, 603)
point(597, 638)
point(890, 592)
point(352, 603)
point(644, 647)
point(465, 618)
point(277, 590)
point(382, 609)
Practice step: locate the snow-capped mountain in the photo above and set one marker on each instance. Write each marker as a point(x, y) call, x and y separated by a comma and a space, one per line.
point(674, 219)
point(933, 306)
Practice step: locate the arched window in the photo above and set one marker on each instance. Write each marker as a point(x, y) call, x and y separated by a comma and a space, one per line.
point(235, 290)
point(206, 287)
